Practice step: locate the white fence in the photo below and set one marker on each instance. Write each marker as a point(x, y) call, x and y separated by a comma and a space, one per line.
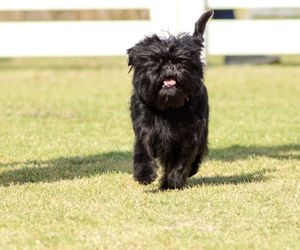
point(92, 38)
point(248, 37)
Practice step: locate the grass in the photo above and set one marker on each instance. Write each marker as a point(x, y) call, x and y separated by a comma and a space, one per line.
point(65, 161)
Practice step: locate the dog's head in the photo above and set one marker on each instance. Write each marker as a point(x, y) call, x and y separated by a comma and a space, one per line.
point(168, 70)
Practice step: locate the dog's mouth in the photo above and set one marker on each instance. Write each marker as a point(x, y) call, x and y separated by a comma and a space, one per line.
point(169, 82)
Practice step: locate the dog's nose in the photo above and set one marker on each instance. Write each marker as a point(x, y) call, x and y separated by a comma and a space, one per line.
point(169, 70)
point(170, 67)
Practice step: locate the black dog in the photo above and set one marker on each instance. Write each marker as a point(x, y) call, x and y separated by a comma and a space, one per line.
point(169, 106)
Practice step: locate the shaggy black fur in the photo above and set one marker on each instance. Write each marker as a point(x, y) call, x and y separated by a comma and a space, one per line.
point(169, 106)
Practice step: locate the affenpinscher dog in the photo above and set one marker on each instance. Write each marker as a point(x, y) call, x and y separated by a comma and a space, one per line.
point(169, 106)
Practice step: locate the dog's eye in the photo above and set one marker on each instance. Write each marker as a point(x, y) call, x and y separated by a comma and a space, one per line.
point(192, 53)
point(176, 61)
point(159, 63)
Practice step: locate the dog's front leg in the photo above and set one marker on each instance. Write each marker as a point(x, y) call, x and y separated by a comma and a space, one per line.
point(144, 164)
point(176, 176)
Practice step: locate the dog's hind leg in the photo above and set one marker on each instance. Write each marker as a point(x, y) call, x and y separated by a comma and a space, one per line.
point(195, 165)
point(197, 162)
point(144, 164)
point(203, 150)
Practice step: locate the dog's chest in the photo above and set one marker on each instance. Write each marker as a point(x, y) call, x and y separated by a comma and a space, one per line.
point(175, 129)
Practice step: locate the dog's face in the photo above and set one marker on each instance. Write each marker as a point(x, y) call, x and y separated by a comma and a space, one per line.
point(167, 71)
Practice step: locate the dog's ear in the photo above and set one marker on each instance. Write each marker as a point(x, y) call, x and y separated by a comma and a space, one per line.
point(131, 58)
point(201, 23)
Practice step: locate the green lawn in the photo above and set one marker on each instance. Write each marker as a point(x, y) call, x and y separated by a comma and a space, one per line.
point(65, 161)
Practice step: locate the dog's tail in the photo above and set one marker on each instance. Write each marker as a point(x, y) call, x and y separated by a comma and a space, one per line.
point(201, 23)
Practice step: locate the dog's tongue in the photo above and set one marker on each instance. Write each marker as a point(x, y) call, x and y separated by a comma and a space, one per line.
point(169, 83)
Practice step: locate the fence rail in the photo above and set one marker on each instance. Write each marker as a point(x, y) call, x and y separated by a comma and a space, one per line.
point(90, 38)
point(248, 37)
point(252, 4)
point(72, 4)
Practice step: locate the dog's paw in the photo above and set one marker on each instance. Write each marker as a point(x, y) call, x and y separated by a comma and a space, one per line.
point(172, 183)
point(145, 176)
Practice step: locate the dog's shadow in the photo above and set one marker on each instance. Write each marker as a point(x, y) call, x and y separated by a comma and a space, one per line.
point(238, 152)
point(68, 168)
point(257, 176)
point(218, 180)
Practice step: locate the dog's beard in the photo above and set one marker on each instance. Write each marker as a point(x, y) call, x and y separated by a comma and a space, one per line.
point(170, 97)
point(162, 91)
